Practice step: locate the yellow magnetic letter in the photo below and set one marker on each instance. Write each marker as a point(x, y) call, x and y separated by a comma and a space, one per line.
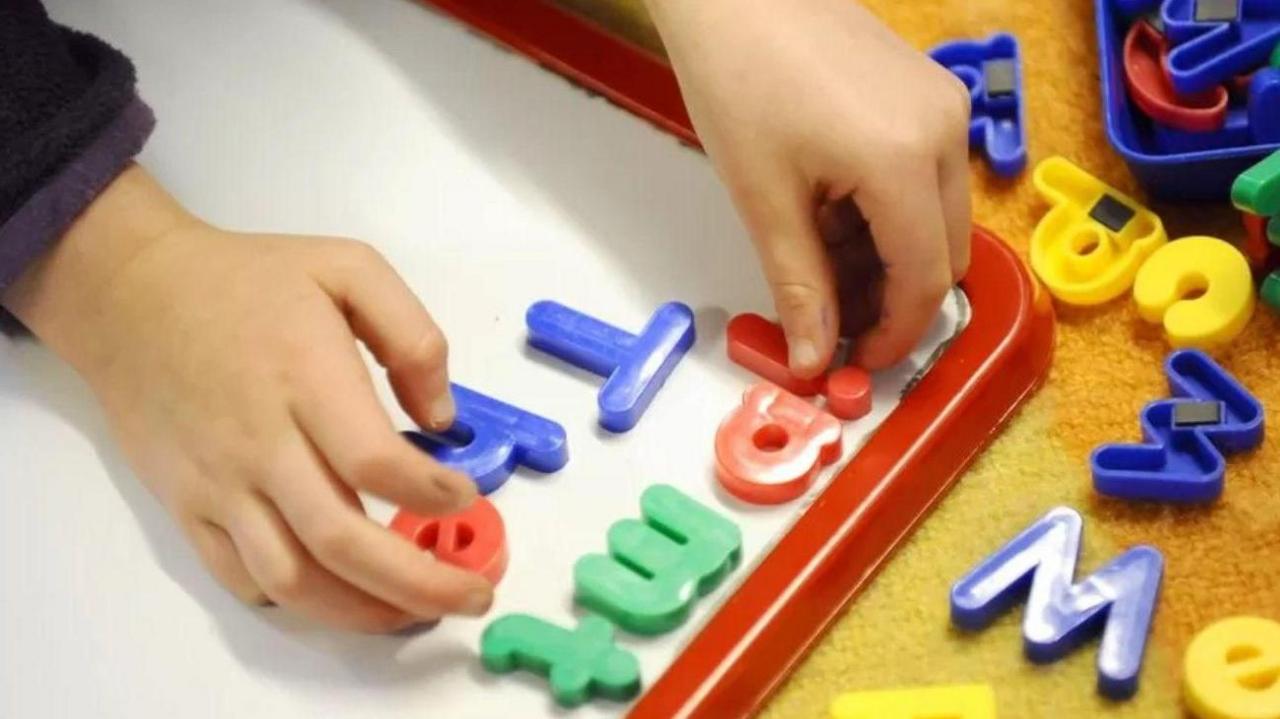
point(1200, 287)
point(1089, 246)
point(1232, 670)
point(962, 701)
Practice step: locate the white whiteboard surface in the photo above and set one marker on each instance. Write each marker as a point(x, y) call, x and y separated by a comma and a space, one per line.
point(489, 184)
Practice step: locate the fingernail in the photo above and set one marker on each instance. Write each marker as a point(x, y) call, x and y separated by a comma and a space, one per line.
point(804, 354)
point(442, 410)
point(477, 602)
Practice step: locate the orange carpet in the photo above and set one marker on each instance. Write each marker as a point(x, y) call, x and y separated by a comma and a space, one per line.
point(1221, 560)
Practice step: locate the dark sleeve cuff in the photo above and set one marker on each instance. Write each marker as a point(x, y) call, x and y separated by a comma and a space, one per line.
point(39, 222)
point(59, 89)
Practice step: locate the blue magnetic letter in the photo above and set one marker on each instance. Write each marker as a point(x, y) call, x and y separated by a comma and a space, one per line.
point(1258, 123)
point(1211, 51)
point(489, 438)
point(634, 366)
point(1060, 614)
point(1182, 464)
point(1264, 105)
point(992, 70)
point(1135, 8)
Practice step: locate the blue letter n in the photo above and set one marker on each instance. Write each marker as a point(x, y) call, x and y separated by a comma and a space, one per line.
point(1039, 564)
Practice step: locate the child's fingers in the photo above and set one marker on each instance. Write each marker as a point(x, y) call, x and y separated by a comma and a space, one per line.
point(910, 231)
point(399, 332)
point(366, 554)
point(858, 270)
point(781, 216)
point(295, 581)
point(957, 205)
point(335, 406)
point(222, 559)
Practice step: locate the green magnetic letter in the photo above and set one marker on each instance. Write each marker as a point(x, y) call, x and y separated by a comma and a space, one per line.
point(1257, 189)
point(656, 568)
point(579, 664)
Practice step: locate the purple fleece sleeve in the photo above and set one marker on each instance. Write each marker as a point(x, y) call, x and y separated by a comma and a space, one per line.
point(50, 211)
point(70, 122)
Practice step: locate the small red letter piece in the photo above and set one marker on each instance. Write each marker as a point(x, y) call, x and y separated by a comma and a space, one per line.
point(473, 539)
point(759, 345)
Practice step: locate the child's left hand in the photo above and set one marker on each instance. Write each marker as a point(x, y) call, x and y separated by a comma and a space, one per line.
point(804, 105)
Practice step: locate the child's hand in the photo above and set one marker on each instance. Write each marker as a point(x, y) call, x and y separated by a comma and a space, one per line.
point(806, 102)
point(228, 367)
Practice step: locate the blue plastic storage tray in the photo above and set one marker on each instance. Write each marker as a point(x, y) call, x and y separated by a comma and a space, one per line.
point(1204, 175)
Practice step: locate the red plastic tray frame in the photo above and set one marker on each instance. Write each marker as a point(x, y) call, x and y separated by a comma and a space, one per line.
point(835, 548)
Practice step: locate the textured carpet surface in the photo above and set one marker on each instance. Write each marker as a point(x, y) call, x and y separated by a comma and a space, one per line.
point(1221, 560)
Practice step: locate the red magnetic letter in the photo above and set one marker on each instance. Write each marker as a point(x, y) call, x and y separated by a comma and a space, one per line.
point(760, 346)
point(849, 392)
point(473, 539)
point(1146, 53)
point(770, 448)
point(1257, 248)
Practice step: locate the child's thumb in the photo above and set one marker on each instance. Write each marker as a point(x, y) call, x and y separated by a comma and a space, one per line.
point(800, 277)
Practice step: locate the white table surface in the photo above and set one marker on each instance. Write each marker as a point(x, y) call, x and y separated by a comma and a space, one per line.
point(488, 183)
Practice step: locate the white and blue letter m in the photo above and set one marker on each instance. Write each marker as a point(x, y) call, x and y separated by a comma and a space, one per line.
point(1039, 564)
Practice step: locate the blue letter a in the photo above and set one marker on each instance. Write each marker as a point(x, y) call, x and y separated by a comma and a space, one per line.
point(1039, 564)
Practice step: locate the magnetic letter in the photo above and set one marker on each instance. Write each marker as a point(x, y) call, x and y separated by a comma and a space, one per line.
point(760, 346)
point(992, 71)
point(1232, 670)
point(634, 366)
point(962, 701)
point(1039, 563)
point(769, 450)
point(1089, 246)
point(1186, 438)
point(474, 539)
point(579, 664)
point(490, 438)
point(1216, 271)
point(657, 567)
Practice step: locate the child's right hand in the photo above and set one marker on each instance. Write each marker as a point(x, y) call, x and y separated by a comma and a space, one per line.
point(228, 367)
point(809, 105)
